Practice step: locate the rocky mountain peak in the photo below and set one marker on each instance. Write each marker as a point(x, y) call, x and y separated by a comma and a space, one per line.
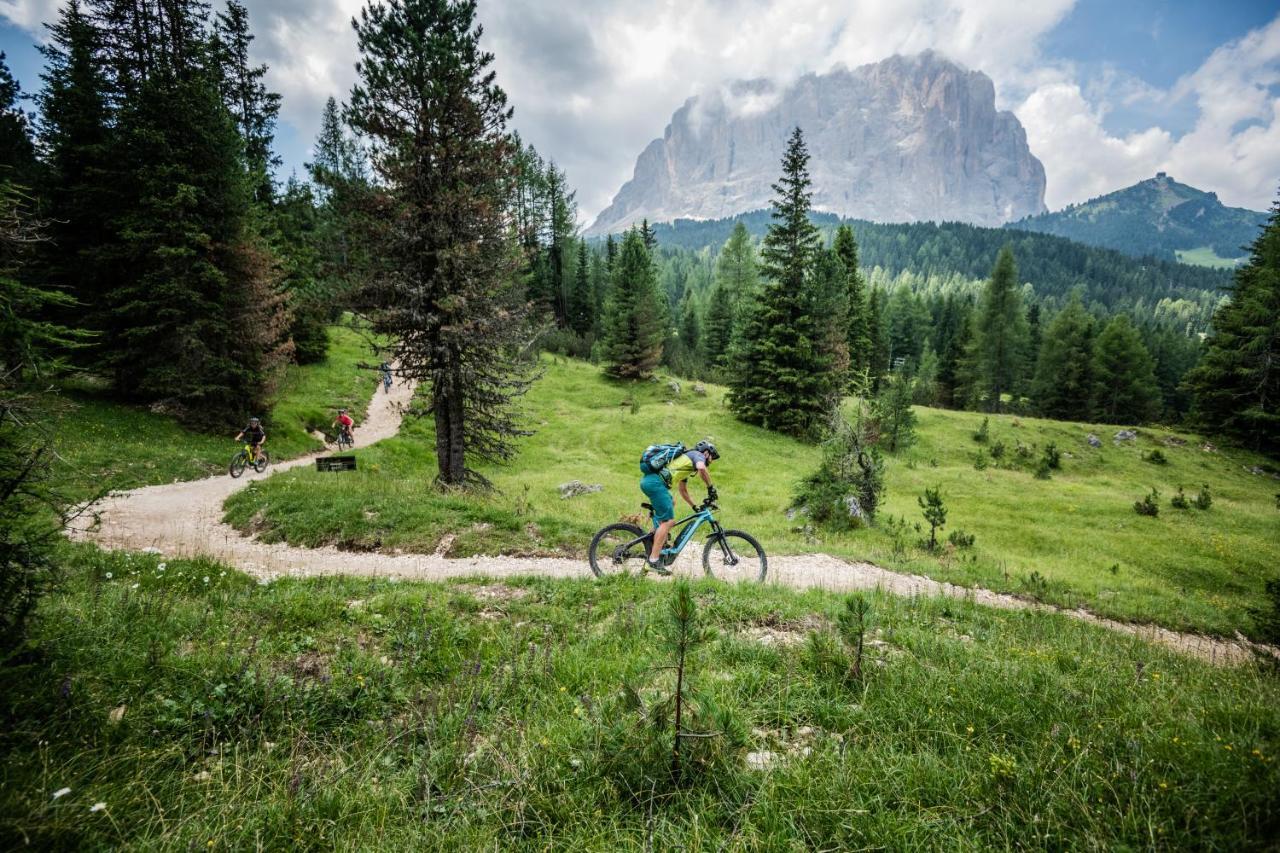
point(905, 139)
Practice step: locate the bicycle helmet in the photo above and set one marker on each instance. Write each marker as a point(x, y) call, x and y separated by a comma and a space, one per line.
point(708, 449)
point(342, 411)
point(253, 421)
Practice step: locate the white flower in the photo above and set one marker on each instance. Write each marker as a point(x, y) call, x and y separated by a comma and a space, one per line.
point(206, 578)
point(61, 792)
point(222, 574)
point(108, 576)
point(135, 586)
point(97, 807)
point(161, 567)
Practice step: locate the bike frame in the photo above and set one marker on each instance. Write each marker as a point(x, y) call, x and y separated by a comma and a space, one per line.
point(689, 524)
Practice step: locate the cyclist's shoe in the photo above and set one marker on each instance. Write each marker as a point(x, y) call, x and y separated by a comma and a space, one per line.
point(656, 568)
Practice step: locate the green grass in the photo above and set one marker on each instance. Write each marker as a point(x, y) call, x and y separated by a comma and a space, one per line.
point(205, 711)
point(1185, 569)
point(102, 443)
point(1205, 256)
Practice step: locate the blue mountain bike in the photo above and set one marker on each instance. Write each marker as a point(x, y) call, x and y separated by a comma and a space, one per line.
point(729, 555)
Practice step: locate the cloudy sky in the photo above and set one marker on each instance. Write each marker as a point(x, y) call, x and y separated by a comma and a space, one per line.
point(1109, 92)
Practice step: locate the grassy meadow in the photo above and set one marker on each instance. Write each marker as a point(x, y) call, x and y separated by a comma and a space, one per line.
point(180, 705)
point(102, 443)
point(1073, 539)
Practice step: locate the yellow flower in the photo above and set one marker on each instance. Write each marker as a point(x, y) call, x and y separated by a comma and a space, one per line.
point(1164, 784)
point(969, 729)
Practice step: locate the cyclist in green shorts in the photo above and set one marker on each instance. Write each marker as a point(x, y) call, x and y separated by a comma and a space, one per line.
point(657, 489)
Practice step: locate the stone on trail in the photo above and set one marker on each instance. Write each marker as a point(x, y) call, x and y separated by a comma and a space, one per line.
point(574, 488)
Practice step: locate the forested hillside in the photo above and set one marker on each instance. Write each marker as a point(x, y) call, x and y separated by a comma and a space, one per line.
point(1157, 218)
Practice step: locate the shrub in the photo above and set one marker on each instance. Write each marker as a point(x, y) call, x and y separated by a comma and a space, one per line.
point(1148, 505)
point(1203, 500)
point(893, 412)
point(1266, 619)
point(960, 539)
point(1052, 456)
point(997, 450)
point(1043, 471)
point(983, 433)
point(980, 460)
point(1021, 451)
point(1179, 501)
point(1035, 585)
point(1156, 457)
point(850, 475)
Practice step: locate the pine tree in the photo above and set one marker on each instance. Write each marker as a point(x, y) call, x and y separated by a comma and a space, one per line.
point(649, 237)
point(859, 335)
point(581, 298)
point(951, 342)
point(635, 324)
point(17, 150)
point(1000, 335)
point(560, 218)
point(781, 381)
point(1236, 387)
point(878, 363)
point(691, 328)
point(1034, 339)
point(339, 172)
point(831, 309)
point(252, 106)
point(1063, 383)
point(446, 290)
point(1125, 389)
point(311, 303)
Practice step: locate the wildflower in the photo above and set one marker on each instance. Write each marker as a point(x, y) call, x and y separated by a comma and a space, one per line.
point(969, 729)
point(206, 578)
point(161, 567)
point(1164, 785)
point(1228, 747)
point(135, 586)
point(97, 807)
point(108, 576)
point(61, 792)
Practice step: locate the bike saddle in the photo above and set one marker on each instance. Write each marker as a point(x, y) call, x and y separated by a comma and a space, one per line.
point(647, 506)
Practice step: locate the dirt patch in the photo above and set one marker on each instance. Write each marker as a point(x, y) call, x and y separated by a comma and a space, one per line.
point(491, 592)
point(309, 666)
point(773, 630)
point(782, 746)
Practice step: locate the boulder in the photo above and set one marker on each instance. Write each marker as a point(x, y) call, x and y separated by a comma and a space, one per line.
point(1094, 441)
point(700, 390)
point(574, 488)
point(1125, 435)
point(674, 387)
point(852, 506)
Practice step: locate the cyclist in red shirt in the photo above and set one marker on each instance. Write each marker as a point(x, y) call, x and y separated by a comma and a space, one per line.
point(345, 424)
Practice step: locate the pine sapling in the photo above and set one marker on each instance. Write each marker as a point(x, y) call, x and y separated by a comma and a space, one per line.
point(1203, 500)
point(934, 512)
point(853, 622)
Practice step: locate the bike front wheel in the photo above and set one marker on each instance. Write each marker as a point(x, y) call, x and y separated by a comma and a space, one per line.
point(238, 463)
point(343, 442)
point(734, 556)
point(261, 463)
point(614, 550)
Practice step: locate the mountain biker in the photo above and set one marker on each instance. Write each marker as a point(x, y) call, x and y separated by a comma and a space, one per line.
point(344, 424)
point(656, 488)
point(255, 436)
point(385, 371)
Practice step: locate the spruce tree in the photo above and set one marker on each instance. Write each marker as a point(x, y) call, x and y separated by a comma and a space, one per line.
point(859, 335)
point(79, 197)
point(1063, 385)
point(718, 327)
point(339, 172)
point(831, 309)
point(1125, 389)
point(445, 291)
point(952, 340)
point(1236, 387)
point(635, 322)
point(649, 237)
point(781, 366)
point(1000, 335)
point(581, 297)
point(878, 337)
point(17, 149)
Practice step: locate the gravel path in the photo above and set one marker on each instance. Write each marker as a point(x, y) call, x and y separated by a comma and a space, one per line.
point(185, 519)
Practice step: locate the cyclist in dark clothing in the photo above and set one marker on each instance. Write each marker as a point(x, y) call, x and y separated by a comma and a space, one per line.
point(254, 435)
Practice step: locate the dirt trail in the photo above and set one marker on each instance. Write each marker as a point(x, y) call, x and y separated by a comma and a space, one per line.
point(185, 519)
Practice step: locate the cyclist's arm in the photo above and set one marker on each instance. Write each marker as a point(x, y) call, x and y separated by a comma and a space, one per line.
point(704, 474)
point(684, 493)
point(239, 435)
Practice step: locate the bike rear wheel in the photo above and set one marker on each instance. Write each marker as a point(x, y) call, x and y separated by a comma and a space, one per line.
point(343, 441)
point(611, 554)
point(261, 463)
point(238, 463)
point(734, 556)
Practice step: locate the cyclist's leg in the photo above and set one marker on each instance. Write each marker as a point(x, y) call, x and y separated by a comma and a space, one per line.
point(664, 511)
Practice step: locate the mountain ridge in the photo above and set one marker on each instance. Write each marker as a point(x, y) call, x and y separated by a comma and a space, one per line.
point(904, 139)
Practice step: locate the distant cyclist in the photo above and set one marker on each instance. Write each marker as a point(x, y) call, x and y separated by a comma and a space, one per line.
point(345, 425)
point(656, 487)
point(385, 370)
point(255, 436)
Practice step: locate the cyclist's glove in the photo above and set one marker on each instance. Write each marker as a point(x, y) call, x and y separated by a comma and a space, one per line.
point(712, 494)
